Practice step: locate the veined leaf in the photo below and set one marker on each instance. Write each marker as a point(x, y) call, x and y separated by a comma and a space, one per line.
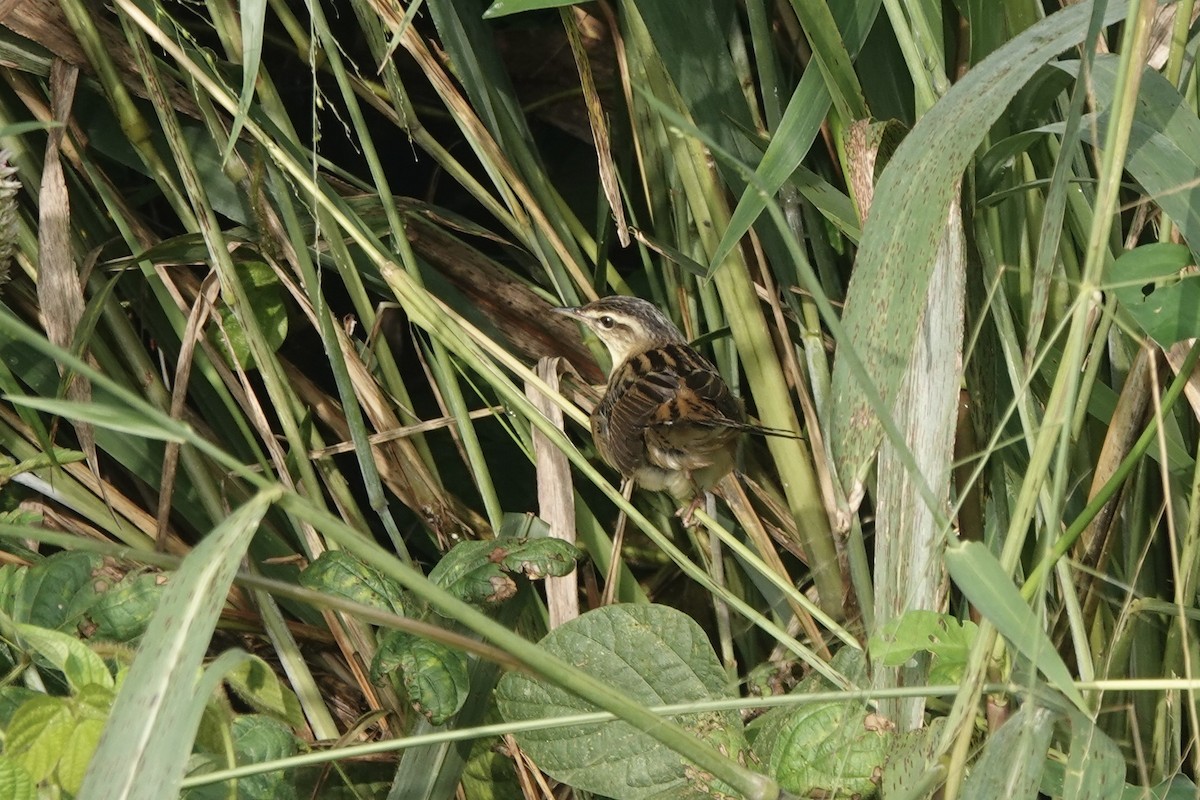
point(891, 274)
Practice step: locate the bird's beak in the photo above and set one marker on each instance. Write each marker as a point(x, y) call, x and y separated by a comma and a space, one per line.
point(568, 311)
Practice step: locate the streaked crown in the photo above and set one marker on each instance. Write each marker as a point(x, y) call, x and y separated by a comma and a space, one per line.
point(626, 325)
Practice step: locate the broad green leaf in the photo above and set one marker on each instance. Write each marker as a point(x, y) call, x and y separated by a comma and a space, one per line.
point(538, 558)
point(477, 571)
point(38, 734)
point(228, 197)
point(945, 637)
point(15, 782)
point(522, 526)
point(1164, 143)
point(982, 581)
point(13, 697)
point(12, 583)
point(57, 591)
point(1148, 283)
point(891, 274)
point(53, 738)
point(143, 752)
point(435, 676)
point(213, 734)
point(265, 297)
point(85, 738)
point(1179, 787)
point(95, 700)
point(659, 656)
point(69, 655)
point(258, 685)
point(122, 612)
point(262, 738)
point(488, 775)
point(1010, 767)
point(258, 738)
point(339, 573)
point(826, 749)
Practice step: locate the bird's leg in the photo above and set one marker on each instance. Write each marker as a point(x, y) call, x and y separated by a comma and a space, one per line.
point(701, 497)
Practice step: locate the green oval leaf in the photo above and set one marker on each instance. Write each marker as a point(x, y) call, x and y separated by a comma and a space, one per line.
point(57, 591)
point(122, 612)
point(824, 749)
point(660, 656)
point(434, 675)
point(339, 573)
point(1163, 302)
point(258, 685)
point(37, 734)
point(477, 571)
point(15, 782)
point(265, 298)
point(69, 655)
point(257, 738)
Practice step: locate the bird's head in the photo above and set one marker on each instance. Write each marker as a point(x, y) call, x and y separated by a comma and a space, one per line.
point(626, 325)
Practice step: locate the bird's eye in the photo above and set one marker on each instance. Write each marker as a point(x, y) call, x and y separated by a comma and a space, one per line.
point(607, 322)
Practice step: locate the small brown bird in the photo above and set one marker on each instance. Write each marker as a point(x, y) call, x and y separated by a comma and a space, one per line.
point(667, 420)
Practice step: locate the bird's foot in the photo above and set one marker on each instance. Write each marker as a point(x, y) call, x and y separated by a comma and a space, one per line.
point(687, 513)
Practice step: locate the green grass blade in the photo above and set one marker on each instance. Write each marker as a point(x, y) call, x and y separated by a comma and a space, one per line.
point(799, 127)
point(253, 17)
point(833, 57)
point(1164, 147)
point(981, 579)
point(105, 415)
point(143, 752)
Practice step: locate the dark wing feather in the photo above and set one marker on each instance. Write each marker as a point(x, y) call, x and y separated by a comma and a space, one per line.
point(632, 402)
point(668, 408)
point(705, 401)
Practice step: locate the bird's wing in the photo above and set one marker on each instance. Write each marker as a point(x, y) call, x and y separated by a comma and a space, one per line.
point(703, 400)
point(637, 393)
point(668, 408)
point(701, 397)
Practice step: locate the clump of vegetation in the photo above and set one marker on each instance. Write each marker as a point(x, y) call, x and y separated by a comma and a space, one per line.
point(300, 497)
